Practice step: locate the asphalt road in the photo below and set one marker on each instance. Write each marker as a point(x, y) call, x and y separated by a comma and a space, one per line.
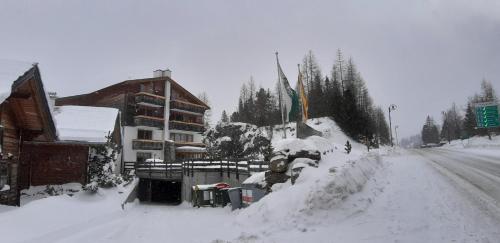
point(478, 175)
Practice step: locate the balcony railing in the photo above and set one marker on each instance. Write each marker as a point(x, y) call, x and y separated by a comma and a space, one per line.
point(142, 144)
point(149, 121)
point(185, 126)
point(181, 105)
point(147, 98)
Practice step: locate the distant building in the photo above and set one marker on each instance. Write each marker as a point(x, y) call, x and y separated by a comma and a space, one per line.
point(161, 120)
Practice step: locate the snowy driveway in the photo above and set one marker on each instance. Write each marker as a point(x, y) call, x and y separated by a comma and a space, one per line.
point(417, 196)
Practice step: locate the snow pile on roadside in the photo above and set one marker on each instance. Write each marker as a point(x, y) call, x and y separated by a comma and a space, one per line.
point(475, 142)
point(315, 193)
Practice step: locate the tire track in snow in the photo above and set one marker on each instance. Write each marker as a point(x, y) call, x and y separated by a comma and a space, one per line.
point(475, 179)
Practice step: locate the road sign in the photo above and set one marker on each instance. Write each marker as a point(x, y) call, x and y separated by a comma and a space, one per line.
point(487, 115)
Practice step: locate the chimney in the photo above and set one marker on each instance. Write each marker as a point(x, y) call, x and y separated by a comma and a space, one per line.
point(162, 73)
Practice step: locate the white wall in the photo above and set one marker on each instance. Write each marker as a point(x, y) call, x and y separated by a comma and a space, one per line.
point(130, 133)
point(168, 88)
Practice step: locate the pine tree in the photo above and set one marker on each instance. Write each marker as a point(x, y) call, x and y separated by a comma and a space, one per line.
point(430, 132)
point(470, 121)
point(310, 69)
point(316, 98)
point(224, 118)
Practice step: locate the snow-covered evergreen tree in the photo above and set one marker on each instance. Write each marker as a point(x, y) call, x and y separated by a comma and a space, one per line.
point(102, 166)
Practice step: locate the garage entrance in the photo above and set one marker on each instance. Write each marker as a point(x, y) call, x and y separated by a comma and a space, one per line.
point(161, 191)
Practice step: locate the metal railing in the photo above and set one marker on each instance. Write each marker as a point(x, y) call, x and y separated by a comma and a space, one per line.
point(148, 121)
point(187, 167)
point(143, 97)
point(143, 144)
point(180, 105)
point(158, 170)
point(185, 126)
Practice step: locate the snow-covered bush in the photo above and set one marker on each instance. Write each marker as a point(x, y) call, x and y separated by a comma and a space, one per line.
point(102, 166)
point(237, 140)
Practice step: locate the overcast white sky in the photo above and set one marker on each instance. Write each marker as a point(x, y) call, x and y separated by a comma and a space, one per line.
point(420, 55)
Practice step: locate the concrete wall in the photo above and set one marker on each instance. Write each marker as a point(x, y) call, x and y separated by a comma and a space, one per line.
point(202, 178)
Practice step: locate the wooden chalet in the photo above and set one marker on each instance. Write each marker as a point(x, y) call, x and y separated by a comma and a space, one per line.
point(31, 153)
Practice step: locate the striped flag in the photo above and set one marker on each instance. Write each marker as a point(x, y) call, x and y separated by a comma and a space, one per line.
point(289, 98)
point(303, 98)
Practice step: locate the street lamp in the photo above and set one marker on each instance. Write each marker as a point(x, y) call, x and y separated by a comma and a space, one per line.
point(392, 107)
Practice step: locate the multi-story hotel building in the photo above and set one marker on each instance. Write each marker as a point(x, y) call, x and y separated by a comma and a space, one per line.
point(160, 118)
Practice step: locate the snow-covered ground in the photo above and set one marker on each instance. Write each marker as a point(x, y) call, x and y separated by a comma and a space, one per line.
point(405, 199)
point(382, 196)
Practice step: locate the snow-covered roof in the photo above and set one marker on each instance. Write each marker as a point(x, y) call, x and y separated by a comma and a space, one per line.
point(85, 123)
point(190, 149)
point(10, 71)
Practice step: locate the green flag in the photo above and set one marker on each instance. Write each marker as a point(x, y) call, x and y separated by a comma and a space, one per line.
point(289, 98)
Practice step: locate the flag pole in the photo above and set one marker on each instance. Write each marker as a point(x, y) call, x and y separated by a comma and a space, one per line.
point(280, 98)
point(302, 107)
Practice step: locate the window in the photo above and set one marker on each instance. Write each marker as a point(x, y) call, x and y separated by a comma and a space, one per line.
point(1, 139)
point(143, 156)
point(4, 175)
point(181, 138)
point(145, 134)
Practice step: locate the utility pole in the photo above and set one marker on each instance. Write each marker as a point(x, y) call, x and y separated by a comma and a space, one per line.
point(396, 131)
point(280, 97)
point(392, 107)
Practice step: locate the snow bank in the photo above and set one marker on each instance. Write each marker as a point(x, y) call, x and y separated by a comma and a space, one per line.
point(317, 190)
point(475, 142)
point(257, 178)
point(85, 123)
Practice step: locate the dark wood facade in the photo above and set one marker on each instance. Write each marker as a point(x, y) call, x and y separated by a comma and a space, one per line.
point(142, 101)
point(24, 116)
point(29, 144)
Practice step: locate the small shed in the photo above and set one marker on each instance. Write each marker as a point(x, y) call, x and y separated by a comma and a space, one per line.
point(253, 189)
point(210, 195)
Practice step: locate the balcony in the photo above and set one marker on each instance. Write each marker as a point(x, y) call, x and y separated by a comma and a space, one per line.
point(186, 106)
point(149, 121)
point(141, 144)
point(149, 99)
point(186, 126)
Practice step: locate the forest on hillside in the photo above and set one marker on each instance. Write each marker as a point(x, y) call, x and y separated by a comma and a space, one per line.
point(460, 123)
point(341, 94)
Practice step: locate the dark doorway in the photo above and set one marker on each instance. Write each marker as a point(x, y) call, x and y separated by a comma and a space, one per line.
point(168, 192)
point(161, 191)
